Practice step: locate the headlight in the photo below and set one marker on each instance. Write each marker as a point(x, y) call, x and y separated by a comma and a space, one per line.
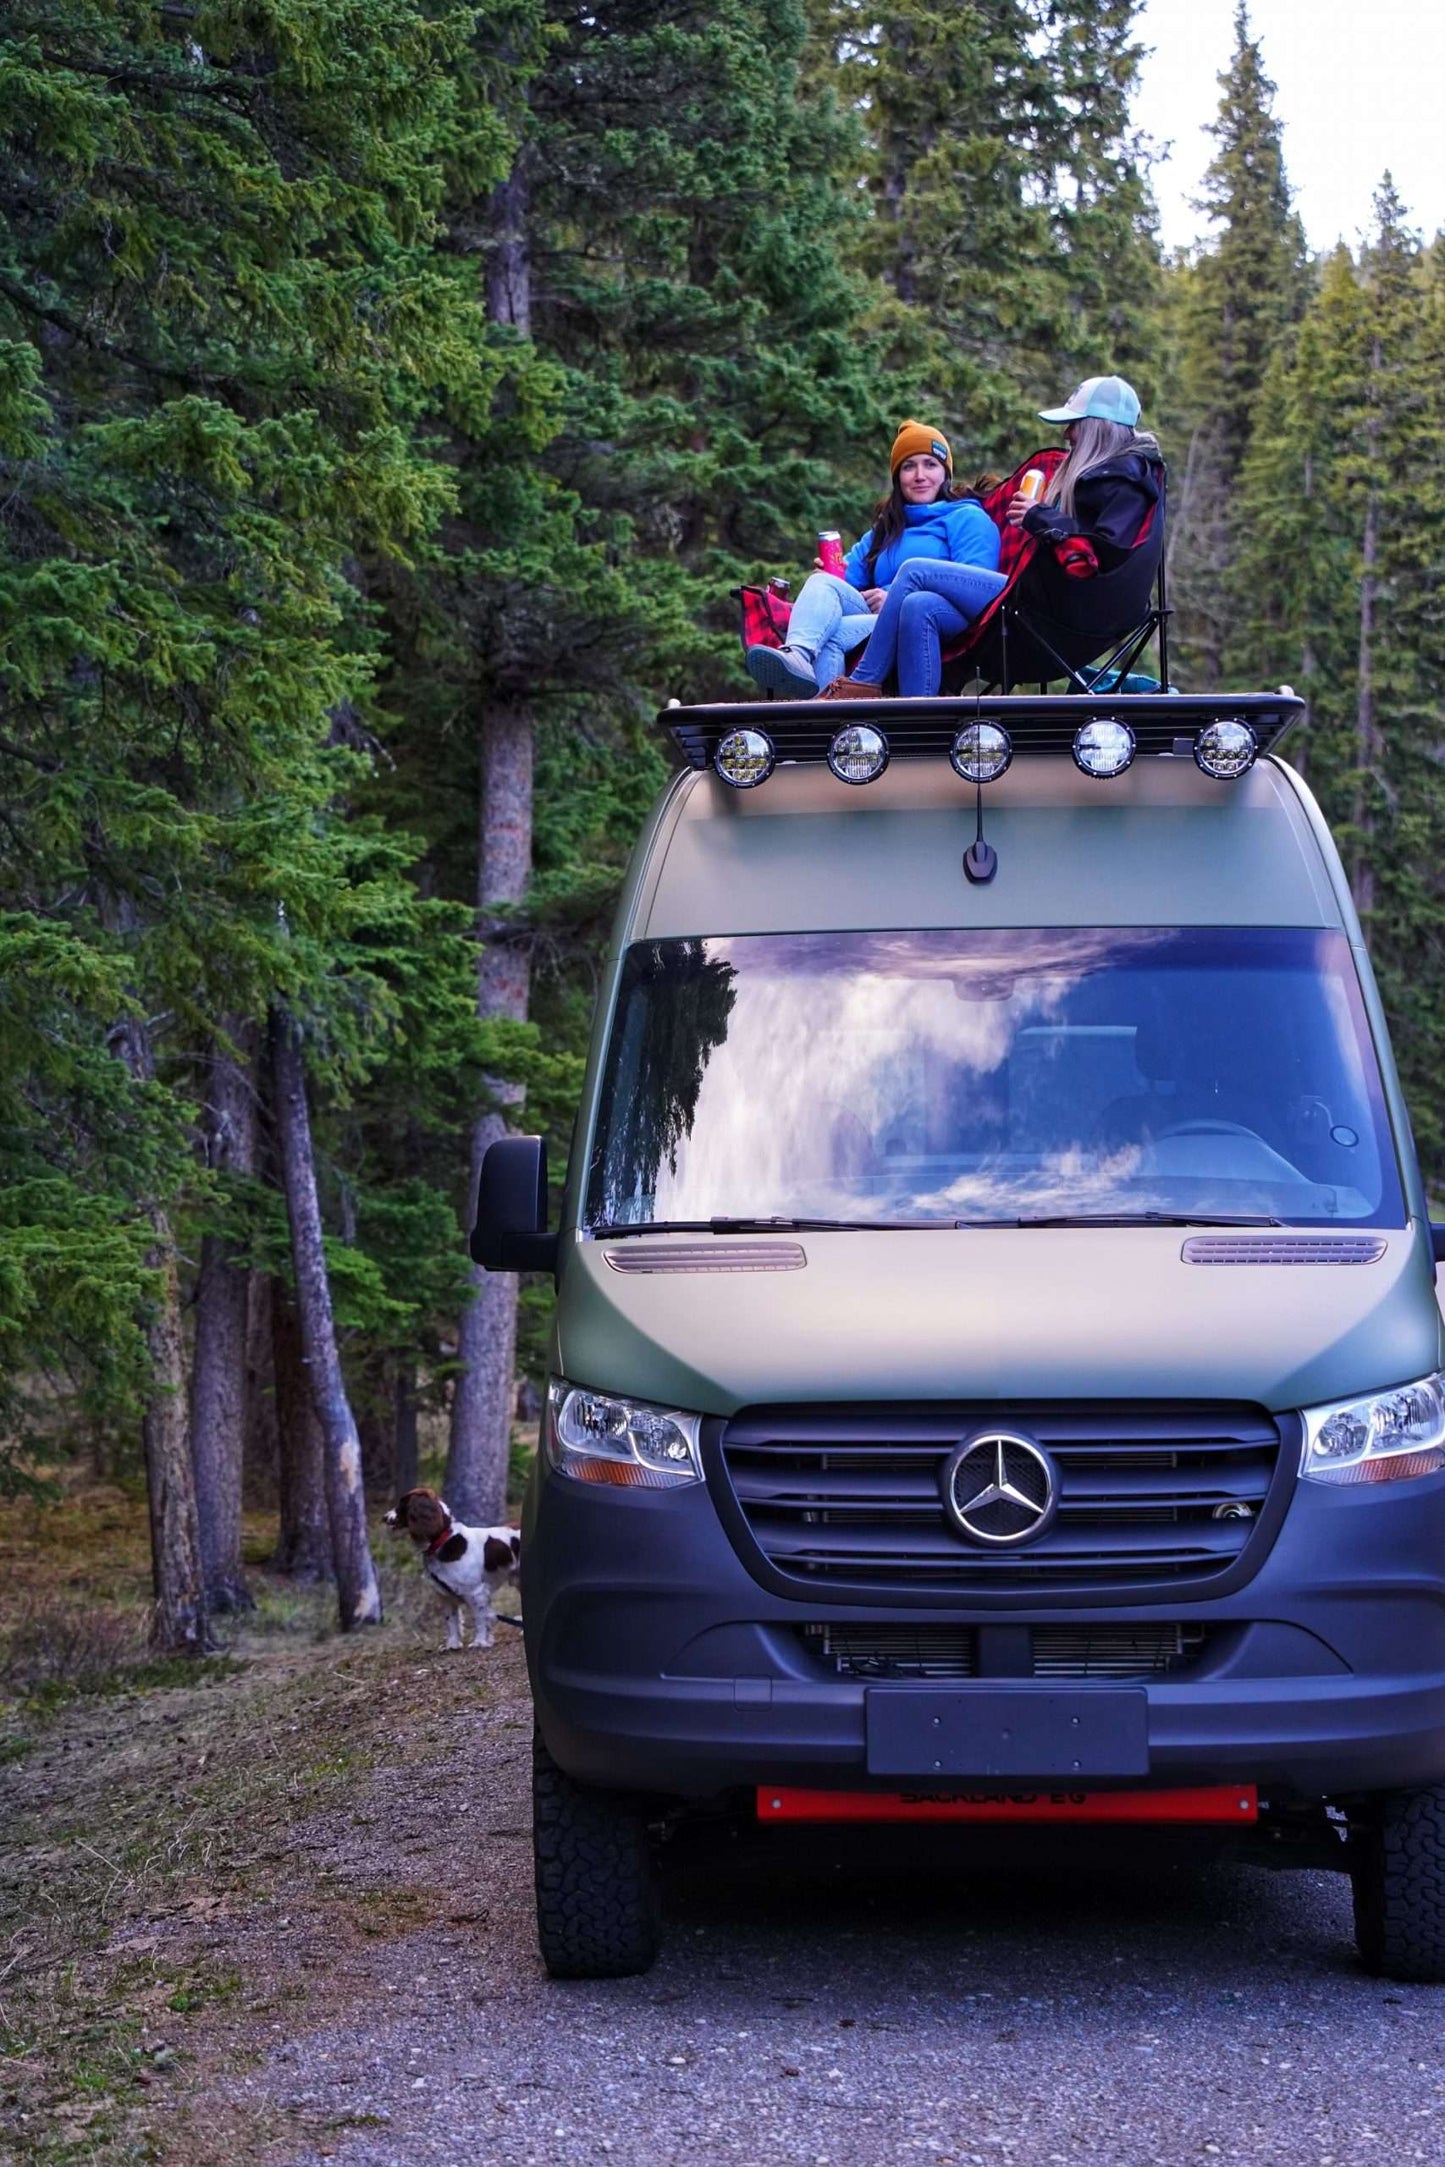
point(629, 1444)
point(1386, 1438)
point(981, 752)
point(1225, 749)
point(745, 758)
point(859, 753)
point(1103, 748)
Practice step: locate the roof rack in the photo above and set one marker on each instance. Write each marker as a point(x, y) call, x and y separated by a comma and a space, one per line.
point(1161, 723)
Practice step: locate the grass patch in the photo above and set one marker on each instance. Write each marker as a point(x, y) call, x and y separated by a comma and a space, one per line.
point(184, 1841)
point(156, 1675)
point(182, 1879)
point(57, 1645)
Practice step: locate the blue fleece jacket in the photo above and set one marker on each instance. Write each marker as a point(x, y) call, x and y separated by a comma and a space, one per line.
point(956, 533)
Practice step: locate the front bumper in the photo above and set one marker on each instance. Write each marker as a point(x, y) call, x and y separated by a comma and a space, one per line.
point(659, 1664)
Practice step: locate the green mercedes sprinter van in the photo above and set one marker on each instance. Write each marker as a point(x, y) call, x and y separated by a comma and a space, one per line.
point(997, 1364)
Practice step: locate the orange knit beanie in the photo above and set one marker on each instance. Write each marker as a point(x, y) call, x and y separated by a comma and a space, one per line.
point(916, 438)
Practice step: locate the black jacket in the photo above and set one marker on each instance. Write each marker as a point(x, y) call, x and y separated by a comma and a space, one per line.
point(1111, 505)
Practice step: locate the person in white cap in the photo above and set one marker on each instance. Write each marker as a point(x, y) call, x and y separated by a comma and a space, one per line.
point(1096, 506)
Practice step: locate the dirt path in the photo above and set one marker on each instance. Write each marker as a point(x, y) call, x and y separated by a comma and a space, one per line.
point(287, 1918)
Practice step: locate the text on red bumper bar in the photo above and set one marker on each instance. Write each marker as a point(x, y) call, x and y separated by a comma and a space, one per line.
point(1238, 1802)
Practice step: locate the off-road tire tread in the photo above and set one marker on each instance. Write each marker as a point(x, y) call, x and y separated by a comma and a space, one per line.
point(596, 1882)
point(1398, 1875)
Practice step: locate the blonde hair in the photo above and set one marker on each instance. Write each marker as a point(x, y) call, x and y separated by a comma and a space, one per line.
point(1094, 442)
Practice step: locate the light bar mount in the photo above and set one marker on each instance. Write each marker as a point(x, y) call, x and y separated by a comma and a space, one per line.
point(802, 730)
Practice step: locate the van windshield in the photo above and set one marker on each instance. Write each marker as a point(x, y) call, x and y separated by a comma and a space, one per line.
point(935, 1077)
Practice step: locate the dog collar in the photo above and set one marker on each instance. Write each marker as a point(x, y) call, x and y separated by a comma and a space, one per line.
point(437, 1540)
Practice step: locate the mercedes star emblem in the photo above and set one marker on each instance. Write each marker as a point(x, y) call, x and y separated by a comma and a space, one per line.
point(1000, 1488)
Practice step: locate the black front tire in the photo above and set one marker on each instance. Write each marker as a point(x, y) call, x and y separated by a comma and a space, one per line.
point(597, 1914)
point(1398, 1874)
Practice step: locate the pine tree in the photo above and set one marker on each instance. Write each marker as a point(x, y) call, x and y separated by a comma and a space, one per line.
point(669, 242)
point(1232, 308)
point(1012, 223)
point(1343, 508)
point(223, 320)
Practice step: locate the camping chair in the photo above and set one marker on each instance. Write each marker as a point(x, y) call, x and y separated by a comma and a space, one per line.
point(1095, 640)
point(1014, 642)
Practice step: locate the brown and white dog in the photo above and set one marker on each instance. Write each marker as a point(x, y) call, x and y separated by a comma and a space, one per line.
point(468, 1564)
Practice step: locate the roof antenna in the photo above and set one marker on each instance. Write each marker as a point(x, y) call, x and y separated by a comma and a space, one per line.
point(980, 860)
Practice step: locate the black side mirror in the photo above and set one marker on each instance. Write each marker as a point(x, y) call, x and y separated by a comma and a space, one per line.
point(511, 1230)
point(1437, 1240)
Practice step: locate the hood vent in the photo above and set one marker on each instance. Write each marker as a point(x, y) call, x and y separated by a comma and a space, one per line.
point(1284, 1249)
point(709, 1256)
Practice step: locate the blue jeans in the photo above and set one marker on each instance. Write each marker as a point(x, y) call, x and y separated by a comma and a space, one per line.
point(829, 619)
point(927, 603)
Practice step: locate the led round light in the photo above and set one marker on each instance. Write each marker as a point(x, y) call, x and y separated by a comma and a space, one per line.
point(1225, 749)
point(858, 754)
point(1103, 748)
point(745, 758)
point(981, 752)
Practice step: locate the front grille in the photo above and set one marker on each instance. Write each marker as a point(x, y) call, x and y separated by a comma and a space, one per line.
point(1115, 1651)
point(895, 1651)
point(1058, 1651)
point(1158, 1492)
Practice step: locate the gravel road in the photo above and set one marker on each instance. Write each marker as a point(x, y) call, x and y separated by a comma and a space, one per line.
point(821, 2007)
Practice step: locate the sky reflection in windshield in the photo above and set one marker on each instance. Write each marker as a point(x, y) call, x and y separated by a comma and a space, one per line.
point(943, 1075)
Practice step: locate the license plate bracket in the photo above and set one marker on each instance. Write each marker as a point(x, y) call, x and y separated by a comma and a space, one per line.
point(985, 1732)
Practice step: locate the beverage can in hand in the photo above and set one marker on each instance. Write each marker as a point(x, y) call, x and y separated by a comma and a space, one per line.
point(1032, 485)
point(830, 551)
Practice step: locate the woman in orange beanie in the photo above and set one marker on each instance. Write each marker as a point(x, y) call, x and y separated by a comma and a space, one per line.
point(922, 518)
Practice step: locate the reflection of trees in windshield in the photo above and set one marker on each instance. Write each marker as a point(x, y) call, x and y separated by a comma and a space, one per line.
point(657, 1065)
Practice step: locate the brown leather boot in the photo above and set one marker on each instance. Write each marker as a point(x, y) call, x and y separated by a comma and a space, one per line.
point(850, 688)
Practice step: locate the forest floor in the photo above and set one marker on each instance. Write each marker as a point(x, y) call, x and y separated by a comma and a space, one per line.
point(275, 1910)
point(203, 1861)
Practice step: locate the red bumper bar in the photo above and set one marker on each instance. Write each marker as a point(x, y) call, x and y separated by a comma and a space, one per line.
point(1236, 1802)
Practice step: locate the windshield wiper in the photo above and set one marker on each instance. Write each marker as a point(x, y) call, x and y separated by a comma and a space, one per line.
point(1131, 1218)
point(618, 1230)
point(610, 1231)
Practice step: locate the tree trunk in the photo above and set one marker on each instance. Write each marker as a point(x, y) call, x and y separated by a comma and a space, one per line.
point(218, 1376)
point(1367, 731)
point(405, 1452)
point(177, 1577)
point(303, 1548)
point(476, 1476)
point(509, 260)
point(376, 1427)
point(899, 155)
point(358, 1596)
point(179, 1626)
point(478, 1447)
point(262, 1459)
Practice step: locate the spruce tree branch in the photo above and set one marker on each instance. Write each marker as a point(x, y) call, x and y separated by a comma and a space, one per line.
point(18, 295)
point(11, 751)
point(186, 79)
